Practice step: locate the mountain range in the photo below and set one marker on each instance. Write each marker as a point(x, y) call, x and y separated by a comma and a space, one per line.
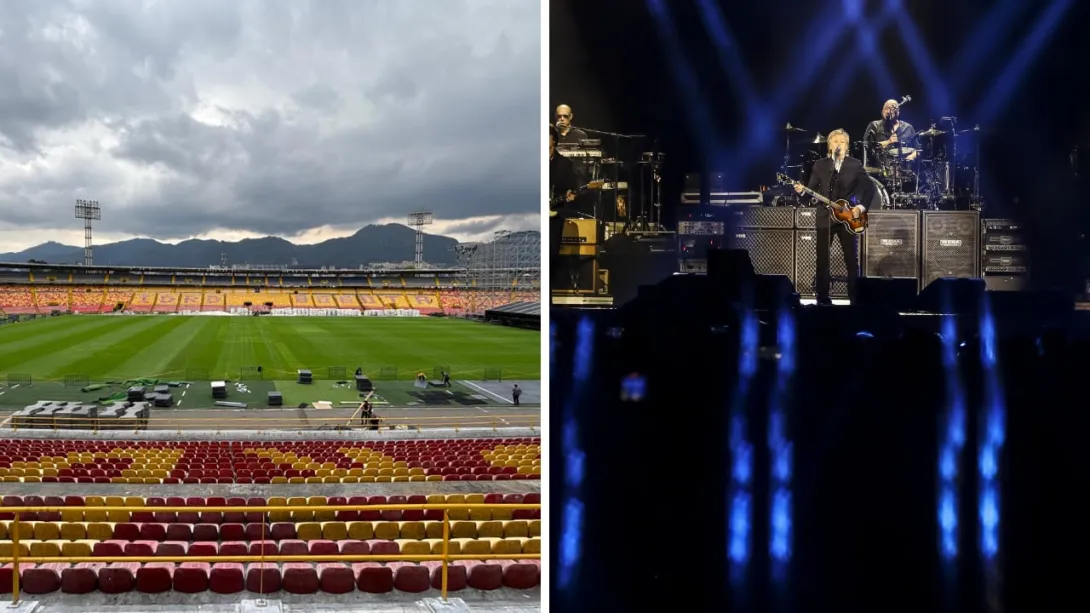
point(371, 244)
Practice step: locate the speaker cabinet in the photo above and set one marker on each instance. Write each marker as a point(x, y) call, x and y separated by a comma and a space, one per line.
point(782, 218)
point(771, 251)
point(806, 266)
point(950, 245)
point(891, 245)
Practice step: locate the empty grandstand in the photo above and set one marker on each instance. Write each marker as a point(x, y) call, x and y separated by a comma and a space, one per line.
point(43, 289)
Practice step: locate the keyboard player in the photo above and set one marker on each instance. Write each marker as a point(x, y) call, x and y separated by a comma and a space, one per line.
point(569, 135)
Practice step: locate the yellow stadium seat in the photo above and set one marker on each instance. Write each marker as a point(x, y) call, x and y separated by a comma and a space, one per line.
point(7, 549)
point(279, 480)
point(297, 480)
point(433, 529)
point(313, 480)
point(32, 479)
point(317, 501)
point(381, 479)
point(454, 499)
point(334, 530)
point(413, 530)
point(45, 548)
point(454, 548)
point(463, 529)
point(279, 501)
point(100, 531)
point(516, 528)
point(501, 514)
point(401, 479)
point(419, 478)
point(489, 529)
point(81, 548)
point(387, 530)
point(531, 545)
point(474, 546)
point(368, 479)
point(350, 479)
point(411, 547)
point(72, 531)
point(535, 527)
point(505, 546)
point(308, 531)
point(360, 530)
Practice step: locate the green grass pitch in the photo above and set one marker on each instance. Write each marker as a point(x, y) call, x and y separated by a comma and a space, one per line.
point(174, 348)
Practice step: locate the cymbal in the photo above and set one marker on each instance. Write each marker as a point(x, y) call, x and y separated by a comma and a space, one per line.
point(791, 128)
point(819, 139)
point(932, 132)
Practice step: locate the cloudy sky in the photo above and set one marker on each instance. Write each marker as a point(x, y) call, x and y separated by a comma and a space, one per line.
point(235, 118)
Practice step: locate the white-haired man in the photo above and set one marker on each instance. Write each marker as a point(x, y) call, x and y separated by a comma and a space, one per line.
point(839, 177)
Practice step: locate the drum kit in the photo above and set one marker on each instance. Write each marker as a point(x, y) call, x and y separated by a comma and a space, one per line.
point(933, 171)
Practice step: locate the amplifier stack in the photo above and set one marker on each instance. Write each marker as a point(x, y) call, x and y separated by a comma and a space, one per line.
point(919, 245)
point(1005, 255)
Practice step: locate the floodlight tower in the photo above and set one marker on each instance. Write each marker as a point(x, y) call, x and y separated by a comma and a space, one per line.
point(88, 211)
point(417, 221)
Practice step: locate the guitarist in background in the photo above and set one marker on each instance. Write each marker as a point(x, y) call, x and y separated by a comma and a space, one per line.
point(840, 177)
point(562, 182)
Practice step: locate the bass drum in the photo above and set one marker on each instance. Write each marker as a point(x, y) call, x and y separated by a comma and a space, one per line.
point(880, 200)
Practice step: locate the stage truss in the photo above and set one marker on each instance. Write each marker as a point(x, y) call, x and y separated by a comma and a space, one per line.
point(499, 271)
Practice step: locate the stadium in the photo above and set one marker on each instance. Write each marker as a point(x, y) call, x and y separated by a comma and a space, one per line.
point(148, 414)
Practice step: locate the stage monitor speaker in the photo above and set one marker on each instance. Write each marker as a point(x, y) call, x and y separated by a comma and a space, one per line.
point(891, 246)
point(772, 251)
point(952, 296)
point(950, 245)
point(806, 265)
point(632, 265)
point(892, 293)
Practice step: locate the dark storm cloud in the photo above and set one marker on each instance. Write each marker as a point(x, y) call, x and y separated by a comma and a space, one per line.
point(271, 117)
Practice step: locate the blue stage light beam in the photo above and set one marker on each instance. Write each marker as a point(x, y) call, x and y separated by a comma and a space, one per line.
point(824, 34)
point(951, 445)
point(729, 54)
point(863, 36)
point(999, 95)
point(740, 492)
point(992, 436)
point(697, 113)
point(571, 539)
point(938, 101)
point(781, 452)
point(981, 43)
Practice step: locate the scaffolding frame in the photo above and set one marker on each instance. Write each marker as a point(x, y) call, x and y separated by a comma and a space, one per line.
point(505, 269)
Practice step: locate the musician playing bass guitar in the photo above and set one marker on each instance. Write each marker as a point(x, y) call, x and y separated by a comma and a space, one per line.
point(840, 177)
point(562, 191)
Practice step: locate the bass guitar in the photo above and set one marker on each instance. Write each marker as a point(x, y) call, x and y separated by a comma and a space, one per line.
point(840, 210)
point(556, 203)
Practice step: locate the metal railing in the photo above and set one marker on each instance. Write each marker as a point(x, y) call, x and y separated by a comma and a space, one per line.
point(446, 557)
point(262, 420)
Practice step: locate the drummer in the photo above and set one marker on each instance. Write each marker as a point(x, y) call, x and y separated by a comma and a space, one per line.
point(889, 134)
